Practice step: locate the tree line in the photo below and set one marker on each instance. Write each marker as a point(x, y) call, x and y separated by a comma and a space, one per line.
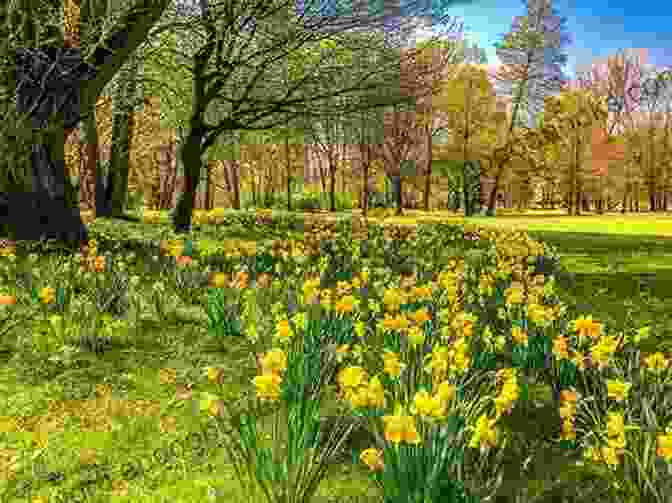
point(237, 78)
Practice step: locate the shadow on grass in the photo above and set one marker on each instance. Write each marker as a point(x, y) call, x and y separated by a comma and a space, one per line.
point(616, 276)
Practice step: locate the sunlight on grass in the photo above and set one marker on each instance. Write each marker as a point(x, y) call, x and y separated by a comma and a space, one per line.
point(191, 321)
point(643, 225)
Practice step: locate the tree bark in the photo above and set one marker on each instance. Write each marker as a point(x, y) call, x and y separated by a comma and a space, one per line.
point(191, 160)
point(90, 176)
point(289, 175)
point(122, 131)
point(126, 34)
point(428, 173)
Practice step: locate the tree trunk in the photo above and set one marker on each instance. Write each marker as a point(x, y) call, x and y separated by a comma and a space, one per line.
point(428, 173)
point(89, 173)
point(191, 160)
point(208, 189)
point(289, 175)
point(492, 197)
point(332, 185)
point(123, 99)
point(236, 185)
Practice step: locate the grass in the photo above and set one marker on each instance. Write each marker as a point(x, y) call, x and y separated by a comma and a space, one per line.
point(619, 266)
point(123, 425)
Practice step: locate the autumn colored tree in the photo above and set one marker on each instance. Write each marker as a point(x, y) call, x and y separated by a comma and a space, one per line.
point(575, 113)
point(470, 96)
point(431, 112)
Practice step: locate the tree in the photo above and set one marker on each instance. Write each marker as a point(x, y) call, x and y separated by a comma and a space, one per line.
point(331, 132)
point(123, 35)
point(575, 112)
point(431, 109)
point(122, 133)
point(616, 82)
point(238, 78)
point(532, 63)
point(470, 96)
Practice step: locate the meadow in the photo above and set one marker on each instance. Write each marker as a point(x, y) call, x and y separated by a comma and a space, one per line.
point(293, 358)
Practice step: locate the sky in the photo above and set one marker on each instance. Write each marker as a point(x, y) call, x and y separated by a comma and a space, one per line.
point(598, 28)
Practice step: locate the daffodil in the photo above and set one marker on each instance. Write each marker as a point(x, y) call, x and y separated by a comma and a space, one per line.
point(373, 458)
point(485, 433)
point(392, 365)
point(352, 377)
point(400, 428)
point(274, 362)
point(618, 390)
point(426, 405)
point(268, 386)
point(375, 393)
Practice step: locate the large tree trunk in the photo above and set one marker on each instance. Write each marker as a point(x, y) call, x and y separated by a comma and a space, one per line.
point(52, 206)
point(191, 160)
point(90, 177)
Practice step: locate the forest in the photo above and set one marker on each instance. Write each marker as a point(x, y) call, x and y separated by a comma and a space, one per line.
point(599, 143)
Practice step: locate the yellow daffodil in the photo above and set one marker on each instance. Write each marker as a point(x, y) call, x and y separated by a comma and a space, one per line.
point(376, 393)
point(664, 447)
point(392, 365)
point(373, 458)
point(219, 280)
point(352, 377)
point(605, 454)
point(47, 295)
point(274, 362)
point(618, 390)
point(514, 294)
point(519, 335)
point(446, 391)
point(568, 430)
point(268, 386)
point(656, 362)
point(346, 304)
point(214, 373)
point(400, 428)
point(426, 405)
point(283, 330)
point(485, 433)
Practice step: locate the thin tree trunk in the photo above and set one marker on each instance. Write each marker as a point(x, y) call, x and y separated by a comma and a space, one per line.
point(428, 173)
point(332, 185)
point(289, 175)
point(236, 185)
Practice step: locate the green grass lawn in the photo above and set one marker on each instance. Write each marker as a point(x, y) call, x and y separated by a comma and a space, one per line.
point(620, 264)
point(619, 267)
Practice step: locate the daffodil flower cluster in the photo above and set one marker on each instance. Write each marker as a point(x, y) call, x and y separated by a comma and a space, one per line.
point(267, 384)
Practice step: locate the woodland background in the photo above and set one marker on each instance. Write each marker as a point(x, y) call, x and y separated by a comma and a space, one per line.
point(595, 160)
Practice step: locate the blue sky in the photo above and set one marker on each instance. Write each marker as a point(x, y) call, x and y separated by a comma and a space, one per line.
point(598, 28)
